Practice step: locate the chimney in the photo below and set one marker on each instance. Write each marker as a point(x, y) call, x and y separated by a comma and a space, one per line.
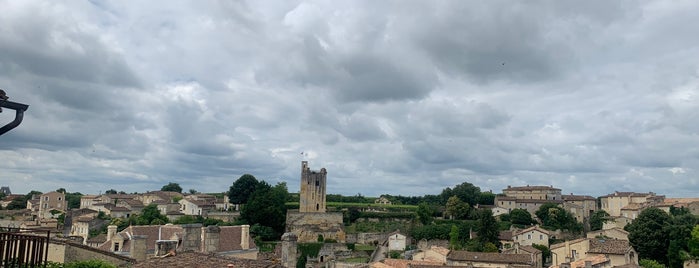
point(192, 237)
point(212, 238)
point(245, 237)
point(289, 250)
point(588, 264)
point(568, 253)
point(138, 247)
point(111, 231)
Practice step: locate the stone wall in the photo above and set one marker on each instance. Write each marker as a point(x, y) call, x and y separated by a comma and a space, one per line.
point(369, 238)
point(307, 226)
point(64, 252)
point(224, 216)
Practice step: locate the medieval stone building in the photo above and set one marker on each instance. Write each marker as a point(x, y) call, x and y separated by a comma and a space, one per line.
point(312, 193)
point(312, 221)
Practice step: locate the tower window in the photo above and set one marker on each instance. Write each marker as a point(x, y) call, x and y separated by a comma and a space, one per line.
point(317, 183)
point(317, 206)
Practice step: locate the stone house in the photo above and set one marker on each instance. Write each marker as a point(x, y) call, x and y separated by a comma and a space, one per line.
point(613, 233)
point(396, 241)
point(196, 207)
point(528, 197)
point(81, 227)
point(150, 197)
point(223, 204)
point(591, 261)
point(619, 252)
point(50, 201)
point(536, 254)
point(86, 201)
point(614, 202)
point(580, 206)
point(530, 236)
point(489, 259)
point(133, 205)
point(382, 200)
point(9, 198)
point(497, 211)
point(616, 222)
point(434, 254)
point(690, 203)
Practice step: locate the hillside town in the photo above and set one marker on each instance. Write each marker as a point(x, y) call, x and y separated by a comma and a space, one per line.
point(599, 232)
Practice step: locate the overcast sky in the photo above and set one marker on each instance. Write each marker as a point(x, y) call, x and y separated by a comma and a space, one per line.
point(391, 97)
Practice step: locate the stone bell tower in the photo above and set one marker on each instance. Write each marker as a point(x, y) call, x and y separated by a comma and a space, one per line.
point(312, 191)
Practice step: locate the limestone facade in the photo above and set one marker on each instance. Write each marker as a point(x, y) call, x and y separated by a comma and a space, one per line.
point(312, 193)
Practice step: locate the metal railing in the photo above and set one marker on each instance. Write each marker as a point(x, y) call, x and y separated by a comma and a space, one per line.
point(23, 247)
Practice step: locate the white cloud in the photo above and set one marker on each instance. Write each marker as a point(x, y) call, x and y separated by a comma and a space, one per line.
point(131, 97)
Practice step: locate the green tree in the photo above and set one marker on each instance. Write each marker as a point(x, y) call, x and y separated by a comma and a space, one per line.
point(647, 236)
point(151, 215)
point(456, 209)
point(424, 213)
point(545, 251)
point(597, 219)
point(466, 191)
point(490, 247)
point(487, 198)
point(646, 263)
point(110, 191)
point(487, 227)
point(172, 187)
point(266, 206)
point(192, 191)
point(521, 216)
point(693, 243)
point(73, 199)
point(242, 189)
point(679, 233)
point(554, 217)
point(454, 243)
point(21, 203)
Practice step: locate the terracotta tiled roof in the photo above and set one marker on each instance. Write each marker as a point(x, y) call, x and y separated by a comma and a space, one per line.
point(609, 246)
point(536, 227)
point(530, 188)
point(529, 249)
point(505, 235)
point(673, 201)
point(594, 259)
point(116, 209)
point(101, 238)
point(400, 263)
point(201, 260)
point(634, 206)
point(461, 255)
point(571, 242)
point(152, 233)
point(572, 197)
point(615, 229)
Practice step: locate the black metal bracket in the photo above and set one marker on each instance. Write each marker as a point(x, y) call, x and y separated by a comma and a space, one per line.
point(19, 114)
